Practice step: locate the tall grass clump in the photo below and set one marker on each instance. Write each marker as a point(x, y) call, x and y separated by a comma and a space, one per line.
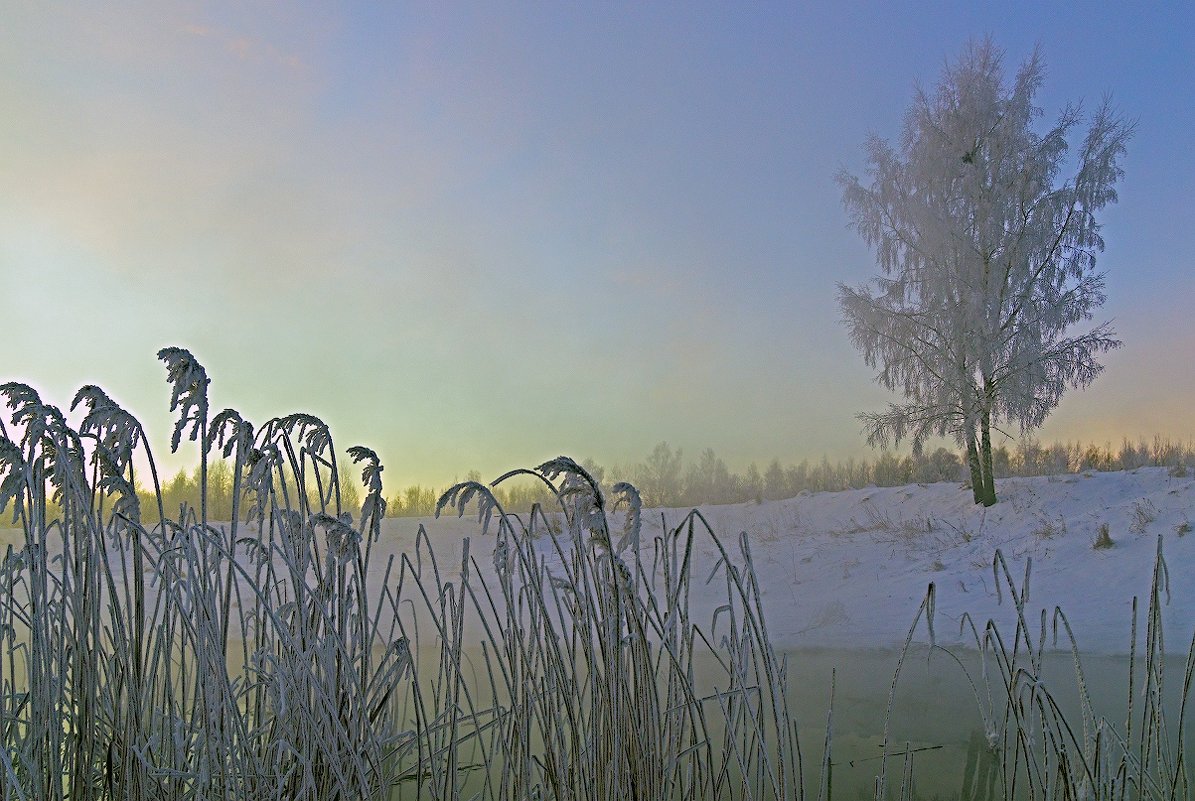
point(188, 659)
point(594, 681)
point(163, 654)
point(1044, 752)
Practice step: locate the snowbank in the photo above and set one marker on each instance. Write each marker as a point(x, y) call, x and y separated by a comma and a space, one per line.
point(850, 569)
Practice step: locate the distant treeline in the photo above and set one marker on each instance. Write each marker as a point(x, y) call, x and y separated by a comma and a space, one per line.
point(183, 490)
point(666, 478)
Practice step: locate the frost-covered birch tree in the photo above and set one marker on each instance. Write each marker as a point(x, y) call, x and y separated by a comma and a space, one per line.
point(986, 235)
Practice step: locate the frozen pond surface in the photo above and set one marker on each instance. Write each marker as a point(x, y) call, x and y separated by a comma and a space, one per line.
point(935, 713)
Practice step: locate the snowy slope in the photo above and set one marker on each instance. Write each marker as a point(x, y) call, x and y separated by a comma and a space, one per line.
point(849, 569)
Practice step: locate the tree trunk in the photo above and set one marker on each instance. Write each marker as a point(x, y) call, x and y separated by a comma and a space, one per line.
point(974, 466)
point(989, 479)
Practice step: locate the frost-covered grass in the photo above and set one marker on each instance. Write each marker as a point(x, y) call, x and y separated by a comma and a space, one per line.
point(590, 649)
point(1045, 752)
point(188, 659)
point(270, 657)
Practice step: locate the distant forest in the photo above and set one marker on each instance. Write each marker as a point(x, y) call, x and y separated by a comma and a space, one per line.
point(665, 478)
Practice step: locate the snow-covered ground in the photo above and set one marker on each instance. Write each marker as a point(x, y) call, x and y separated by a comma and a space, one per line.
point(849, 569)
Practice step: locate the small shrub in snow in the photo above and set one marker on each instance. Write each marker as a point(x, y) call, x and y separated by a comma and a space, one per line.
point(1103, 539)
point(965, 534)
point(1144, 513)
point(1048, 529)
point(1183, 528)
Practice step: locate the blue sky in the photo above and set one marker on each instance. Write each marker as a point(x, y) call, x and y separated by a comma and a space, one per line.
point(478, 236)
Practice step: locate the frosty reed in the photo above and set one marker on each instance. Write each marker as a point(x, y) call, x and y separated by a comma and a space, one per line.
point(276, 655)
point(252, 659)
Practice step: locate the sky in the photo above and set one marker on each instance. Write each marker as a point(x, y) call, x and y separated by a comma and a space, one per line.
point(477, 236)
